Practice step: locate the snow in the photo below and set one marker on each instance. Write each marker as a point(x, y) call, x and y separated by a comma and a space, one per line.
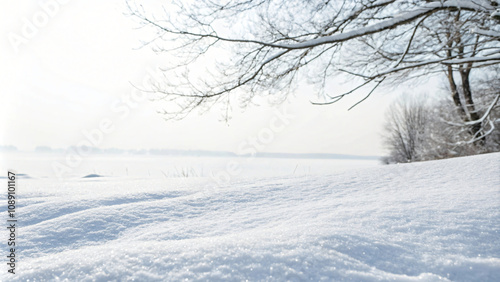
point(388, 24)
point(491, 33)
point(429, 221)
point(471, 60)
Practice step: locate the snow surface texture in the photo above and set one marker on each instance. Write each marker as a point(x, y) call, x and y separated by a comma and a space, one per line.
point(426, 221)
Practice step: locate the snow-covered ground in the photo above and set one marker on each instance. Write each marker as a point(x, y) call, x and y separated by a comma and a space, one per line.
point(426, 221)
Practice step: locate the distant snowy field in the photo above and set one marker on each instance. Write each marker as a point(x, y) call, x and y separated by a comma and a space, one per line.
point(429, 221)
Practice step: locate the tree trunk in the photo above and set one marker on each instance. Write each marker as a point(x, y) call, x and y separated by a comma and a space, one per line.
point(456, 95)
point(469, 103)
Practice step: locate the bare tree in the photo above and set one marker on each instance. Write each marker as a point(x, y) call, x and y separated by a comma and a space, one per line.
point(237, 49)
point(420, 129)
point(406, 133)
point(487, 110)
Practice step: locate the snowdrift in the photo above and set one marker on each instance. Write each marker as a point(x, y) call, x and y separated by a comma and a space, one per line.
point(426, 221)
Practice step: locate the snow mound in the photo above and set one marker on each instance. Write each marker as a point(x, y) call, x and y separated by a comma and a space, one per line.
point(93, 175)
point(429, 221)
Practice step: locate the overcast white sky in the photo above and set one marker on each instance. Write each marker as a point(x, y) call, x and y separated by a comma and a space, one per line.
point(67, 73)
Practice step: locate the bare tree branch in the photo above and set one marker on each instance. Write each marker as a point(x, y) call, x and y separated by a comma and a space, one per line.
point(269, 45)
